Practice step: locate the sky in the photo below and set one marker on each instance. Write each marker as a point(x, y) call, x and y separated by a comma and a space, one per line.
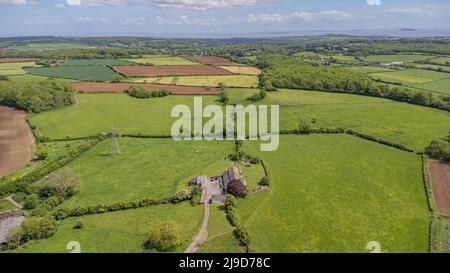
point(215, 17)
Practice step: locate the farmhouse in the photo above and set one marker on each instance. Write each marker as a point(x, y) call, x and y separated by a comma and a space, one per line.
point(392, 64)
point(215, 188)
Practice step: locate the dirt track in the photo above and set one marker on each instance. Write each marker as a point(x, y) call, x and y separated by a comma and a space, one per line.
point(15, 140)
point(122, 87)
point(440, 180)
point(170, 70)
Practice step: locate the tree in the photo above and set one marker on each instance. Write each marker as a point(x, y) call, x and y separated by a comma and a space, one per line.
point(230, 202)
point(40, 154)
point(79, 224)
point(237, 188)
point(117, 79)
point(224, 98)
point(165, 238)
point(35, 228)
point(265, 181)
point(63, 183)
point(31, 201)
point(14, 238)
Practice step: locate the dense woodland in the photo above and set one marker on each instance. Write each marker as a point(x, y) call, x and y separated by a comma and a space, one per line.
point(36, 97)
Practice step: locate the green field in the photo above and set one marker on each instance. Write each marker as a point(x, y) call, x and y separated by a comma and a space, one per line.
point(97, 113)
point(441, 86)
point(162, 60)
point(120, 232)
point(48, 46)
point(82, 73)
point(7, 69)
point(442, 60)
point(336, 193)
point(410, 125)
point(432, 66)
point(410, 76)
point(146, 168)
point(210, 81)
point(34, 78)
point(6, 205)
point(96, 62)
point(406, 58)
point(369, 69)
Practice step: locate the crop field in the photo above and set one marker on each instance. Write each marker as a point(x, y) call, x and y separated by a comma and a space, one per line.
point(210, 81)
point(178, 70)
point(146, 168)
point(406, 58)
point(162, 60)
point(243, 70)
point(410, 76)
point(7, 69)
point(93, 87)
point(96, 62)
point(120, 232)
point(211, 60)
point(99, 112)
point(14, 60)
point(440, 180)
point(82, 73)
point(336, 194)
point(26, 78)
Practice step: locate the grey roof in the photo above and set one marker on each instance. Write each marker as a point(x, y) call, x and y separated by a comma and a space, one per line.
point(9, 223)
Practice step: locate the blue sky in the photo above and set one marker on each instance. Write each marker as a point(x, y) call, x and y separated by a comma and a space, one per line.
point(167, 17)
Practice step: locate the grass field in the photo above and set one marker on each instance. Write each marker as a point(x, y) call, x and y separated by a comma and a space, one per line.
point(368, 69)
point(442, 60)
point(146, 168)
point(82, 73)
point(7, 69)
point(335, 194)
point(120, 232)
point(162, 60)
point(410, 76)
point(34, 78)
point(96, 62)
point(410, 125)
point(432, 66)
point(441, 86)
point(244, 70)
point(6, 205)
point(210, 81)
point(48, 46)
point(406, 58)
point(97, 113)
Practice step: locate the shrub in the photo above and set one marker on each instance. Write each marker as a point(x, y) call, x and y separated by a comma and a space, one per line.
point(20, 197)
point(265, 181)
point(14, 238)
point(165, 238)
point(439, 149)
point(230, 202)
point(241, 235)
point(31, 201)
point(142, 93)
point(254, 160)
point(79, 224)
point(224, 98)
point(35, 228)
point(40, 154)
point(232, 216)
point(117, 79)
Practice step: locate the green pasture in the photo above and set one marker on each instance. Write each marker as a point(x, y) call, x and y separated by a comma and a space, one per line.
point(406, 58)
point(410, 76)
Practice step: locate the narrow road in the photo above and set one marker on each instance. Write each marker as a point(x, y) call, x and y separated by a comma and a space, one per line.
point(11, 199)
point(202, 234)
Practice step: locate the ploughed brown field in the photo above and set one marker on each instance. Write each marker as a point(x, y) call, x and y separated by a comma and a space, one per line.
point(12, 60)
point(440, 180)
point(173, 70)
point(123, 87)
point(15, 140)
point(212, 60)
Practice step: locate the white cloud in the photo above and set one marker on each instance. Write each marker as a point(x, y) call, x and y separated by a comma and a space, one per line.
point(88, 20)
point(374, 2)
point(13, 2)
point(176, 4)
